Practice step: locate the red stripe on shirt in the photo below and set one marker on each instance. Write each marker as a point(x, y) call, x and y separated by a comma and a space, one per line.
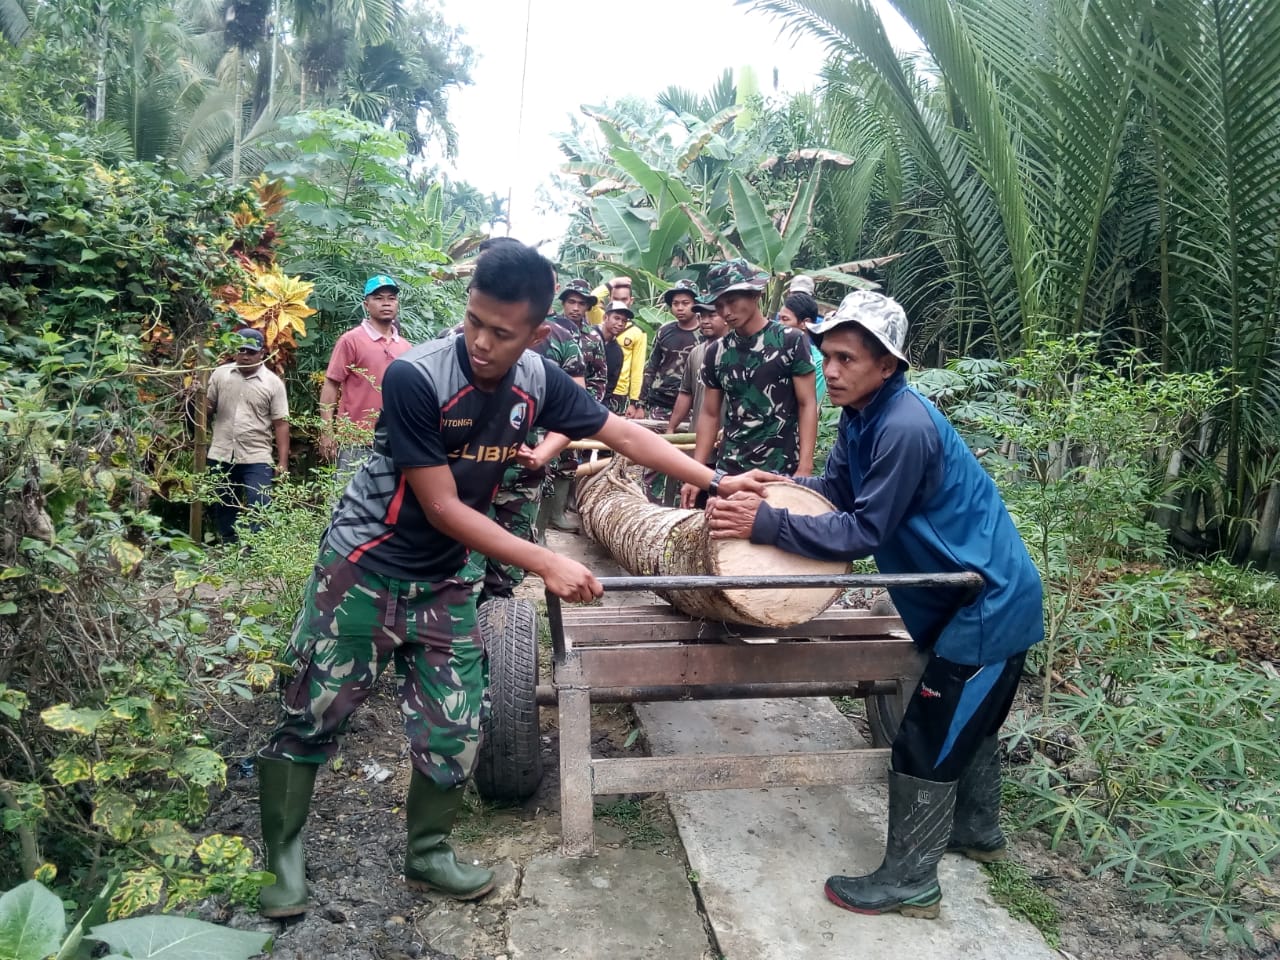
point(360, 551)
point(453, 401)
point(397, 500)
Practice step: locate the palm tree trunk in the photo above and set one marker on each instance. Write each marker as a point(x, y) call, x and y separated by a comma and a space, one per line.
point(1261, 547)
point(237, 124)
point(100, 75)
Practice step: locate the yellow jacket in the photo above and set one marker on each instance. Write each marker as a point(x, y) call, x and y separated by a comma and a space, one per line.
point(596, 314)
point(635, 344)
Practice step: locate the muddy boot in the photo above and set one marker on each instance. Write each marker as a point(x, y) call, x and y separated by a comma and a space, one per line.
point(429, 863)
point(977, 832)
point(920, 813)
point(284, 797)
point(556, 515)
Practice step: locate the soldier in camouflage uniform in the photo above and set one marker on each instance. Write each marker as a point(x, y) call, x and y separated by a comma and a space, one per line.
point(517, 504)
point(663, 372)
point(760, 376)
point(575, 300)
point(396, 578)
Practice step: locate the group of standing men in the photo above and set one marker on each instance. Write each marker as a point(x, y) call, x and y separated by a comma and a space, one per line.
point(400, 569)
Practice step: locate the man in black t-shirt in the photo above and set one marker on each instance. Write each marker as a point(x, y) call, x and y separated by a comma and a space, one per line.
point(400, 564)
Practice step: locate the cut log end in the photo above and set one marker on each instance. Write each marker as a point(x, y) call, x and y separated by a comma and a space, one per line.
point(647, 539)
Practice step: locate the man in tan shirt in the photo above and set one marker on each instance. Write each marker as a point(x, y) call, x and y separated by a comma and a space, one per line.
point(247, 404)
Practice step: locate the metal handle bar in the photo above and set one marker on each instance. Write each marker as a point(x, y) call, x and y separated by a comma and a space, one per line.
point(971, 581)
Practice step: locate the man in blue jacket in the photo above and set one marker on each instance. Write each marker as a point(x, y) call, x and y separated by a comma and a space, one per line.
point(909, 492)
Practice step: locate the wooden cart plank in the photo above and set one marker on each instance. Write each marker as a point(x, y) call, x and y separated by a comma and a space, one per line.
point(720, 663)
point(727, 772)
point(577, 806)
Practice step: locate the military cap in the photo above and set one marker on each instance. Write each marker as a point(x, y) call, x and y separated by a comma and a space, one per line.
point(735, 274)
point(620, 306)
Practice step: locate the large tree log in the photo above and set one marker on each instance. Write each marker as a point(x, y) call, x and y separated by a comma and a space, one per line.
point(648, 540)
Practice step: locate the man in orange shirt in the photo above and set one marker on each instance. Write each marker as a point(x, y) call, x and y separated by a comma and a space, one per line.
point(353, 382)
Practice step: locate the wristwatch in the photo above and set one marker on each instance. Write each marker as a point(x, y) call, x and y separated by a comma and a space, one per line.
point(713, 488)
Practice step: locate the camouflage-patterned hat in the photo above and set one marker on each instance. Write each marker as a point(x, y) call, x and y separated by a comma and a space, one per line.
point(880, 316)
point(732, 275)
point(582, 289)
point(681, 286)
point(703, 306)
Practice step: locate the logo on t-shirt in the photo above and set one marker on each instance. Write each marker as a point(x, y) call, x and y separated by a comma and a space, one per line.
point(517, 414)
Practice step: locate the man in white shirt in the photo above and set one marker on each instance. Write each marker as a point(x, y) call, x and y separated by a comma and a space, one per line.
point(247, 405)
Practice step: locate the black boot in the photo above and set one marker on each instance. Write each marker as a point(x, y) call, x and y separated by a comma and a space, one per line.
point(284, 798)
point(429, 863)
point(976, 832)
point(920, 814)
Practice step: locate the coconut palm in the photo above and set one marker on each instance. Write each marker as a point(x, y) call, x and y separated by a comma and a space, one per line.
point(1107, 166)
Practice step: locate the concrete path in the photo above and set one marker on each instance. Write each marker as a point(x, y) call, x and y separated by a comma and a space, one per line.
point(620, 905)
point(761, 856)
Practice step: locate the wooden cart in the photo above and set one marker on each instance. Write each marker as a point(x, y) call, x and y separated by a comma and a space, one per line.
point(650, 652)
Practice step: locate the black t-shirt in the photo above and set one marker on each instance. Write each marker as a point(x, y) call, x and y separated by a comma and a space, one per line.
point(433, 415)
point(612, 363)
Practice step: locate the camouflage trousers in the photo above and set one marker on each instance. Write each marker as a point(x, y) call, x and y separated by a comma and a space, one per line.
point(352, 624)
point(657, 485)
point(617, 403)
point(515, 509)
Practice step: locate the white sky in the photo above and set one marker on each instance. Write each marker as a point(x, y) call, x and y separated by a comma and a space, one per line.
point(593, 51)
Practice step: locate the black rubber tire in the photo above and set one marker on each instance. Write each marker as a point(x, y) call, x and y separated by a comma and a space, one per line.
point(509, 766)
point(884, 711)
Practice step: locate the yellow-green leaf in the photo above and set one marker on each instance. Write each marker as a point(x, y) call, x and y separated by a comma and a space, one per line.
point(201, 766)
point(46, 873)
point(259, 675)
point(138, 890)
point(67, 719)
point(225, 852)
point(168, 838)
point(126, 554)
point(12, 573)
point(184, 891)
point(69, 768)
point(114, 813)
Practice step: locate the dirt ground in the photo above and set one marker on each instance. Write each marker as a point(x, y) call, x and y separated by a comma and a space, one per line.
point(356, 836)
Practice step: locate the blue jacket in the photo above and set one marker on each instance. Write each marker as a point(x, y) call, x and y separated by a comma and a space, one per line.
point(909, 492)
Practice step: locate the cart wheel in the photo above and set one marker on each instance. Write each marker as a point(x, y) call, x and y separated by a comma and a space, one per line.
point(885, 710)
point(509, 766)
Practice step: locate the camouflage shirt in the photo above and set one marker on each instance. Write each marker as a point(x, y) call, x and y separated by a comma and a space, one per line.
point(591, 343)
point(561, 348)
point(760, 412)
point(663, 372)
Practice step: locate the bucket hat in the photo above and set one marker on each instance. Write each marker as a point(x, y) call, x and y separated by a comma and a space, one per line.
point(681, 286)
point(582, 289)
point(879, 315)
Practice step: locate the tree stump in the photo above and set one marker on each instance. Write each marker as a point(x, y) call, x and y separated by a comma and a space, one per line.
point(651, 540)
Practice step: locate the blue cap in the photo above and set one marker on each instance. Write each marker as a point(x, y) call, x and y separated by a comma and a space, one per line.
point(378, 282)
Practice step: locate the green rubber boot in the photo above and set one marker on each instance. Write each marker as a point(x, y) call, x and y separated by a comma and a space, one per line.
point(977, 832)
point(557, 516)
point(429, 863)
point(284, 797)
point(920, 813)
